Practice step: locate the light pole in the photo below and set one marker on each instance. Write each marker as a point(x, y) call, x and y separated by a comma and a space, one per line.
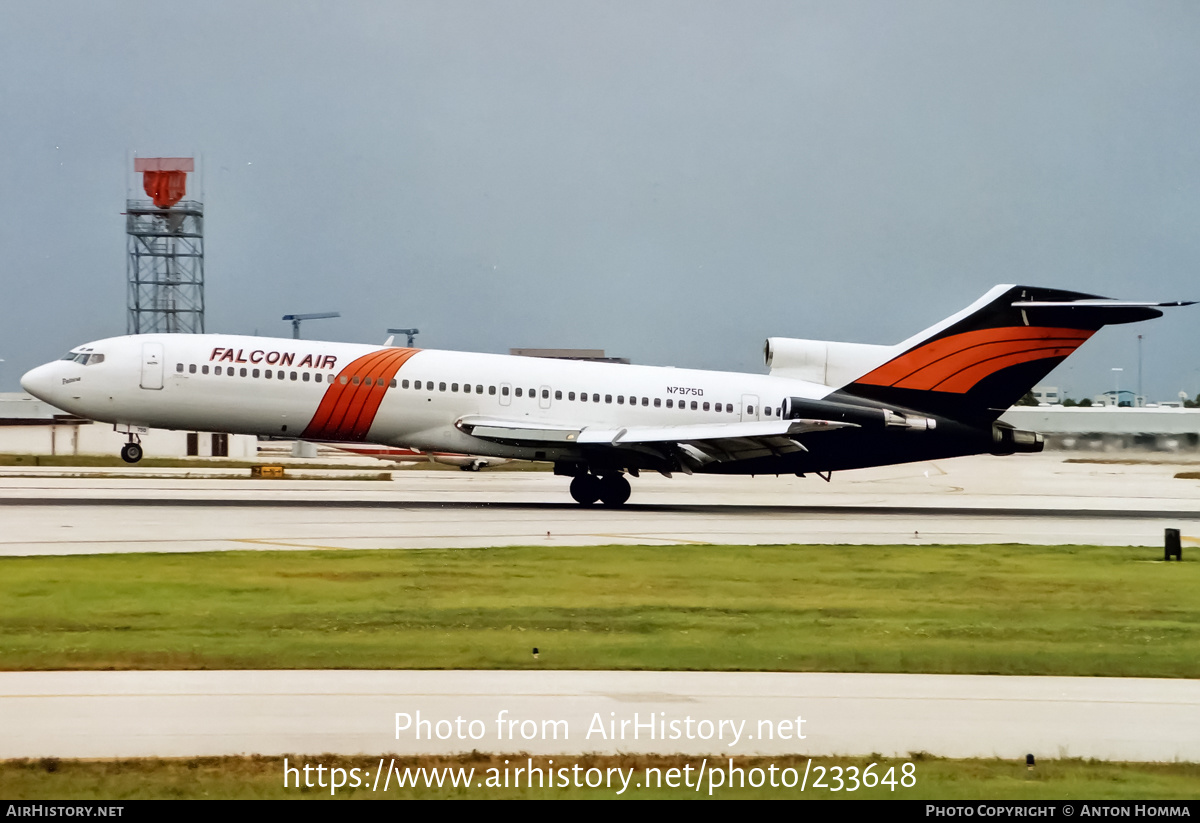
point(1139, 393)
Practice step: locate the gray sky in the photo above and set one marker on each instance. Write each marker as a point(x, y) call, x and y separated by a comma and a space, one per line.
point(670, 181)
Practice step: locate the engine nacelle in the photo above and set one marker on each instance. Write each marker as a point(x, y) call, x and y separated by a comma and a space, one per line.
point(1006, 440)
point(822, 361)
point(795, 408)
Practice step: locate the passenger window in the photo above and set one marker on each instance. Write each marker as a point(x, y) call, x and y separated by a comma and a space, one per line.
point(267, 374)
point(316, 377)
point(504, 390)
point(191, 368)
point(204, 370)
point(367, 381)
point(293, 375)
point(355, 380)
point(620, 399)
point(658, 402)
point(571, 395)
point(441, 386)
point(466, 388)
point(768, 410)
point(478, 389)
point(242, 371)
point(583, 397)
point(608, 398)
point(670, 403)
point(595, 398)
point(558, 395)
point(179, 367)
point(254, 373)
point(693, 405)
point(279, 375)
point(518, 392)
point(645, 401)
point(391, 385)
point(705, 405)
point(491, 390)
point(453, 387)
point(303, 376)
point(729, 408)
point(749, 410)
point(545, 394)
point(216, 369)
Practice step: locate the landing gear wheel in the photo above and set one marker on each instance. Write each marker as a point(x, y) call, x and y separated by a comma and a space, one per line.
point(614, 489)
point(585, 488)
point(131, 452)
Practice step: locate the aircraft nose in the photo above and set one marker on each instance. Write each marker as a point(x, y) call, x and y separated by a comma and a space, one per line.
point(39, 382)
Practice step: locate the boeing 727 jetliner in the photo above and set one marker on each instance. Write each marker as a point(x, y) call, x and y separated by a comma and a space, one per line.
point(823, 407)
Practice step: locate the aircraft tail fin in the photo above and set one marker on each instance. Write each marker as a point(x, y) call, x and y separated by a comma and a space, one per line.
point(977, 363)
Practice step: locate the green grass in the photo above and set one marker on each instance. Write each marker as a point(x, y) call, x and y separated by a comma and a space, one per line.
point(262, 777)
point(1000, 609)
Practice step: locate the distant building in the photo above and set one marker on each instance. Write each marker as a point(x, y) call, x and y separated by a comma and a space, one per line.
point(29, 426)
point(1047, 395)
point(596, 355)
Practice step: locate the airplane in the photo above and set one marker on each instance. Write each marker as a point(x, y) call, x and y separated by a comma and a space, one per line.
point(823, 407)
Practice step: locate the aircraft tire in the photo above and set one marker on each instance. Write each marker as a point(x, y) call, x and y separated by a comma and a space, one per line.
point(586, 489)
point(614, 489)
point(131, 452)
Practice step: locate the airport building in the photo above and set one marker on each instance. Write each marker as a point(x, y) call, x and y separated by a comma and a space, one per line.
point(29, 426)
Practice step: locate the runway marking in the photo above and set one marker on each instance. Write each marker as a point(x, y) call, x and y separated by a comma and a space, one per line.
point(678, 540)
point(265, 542)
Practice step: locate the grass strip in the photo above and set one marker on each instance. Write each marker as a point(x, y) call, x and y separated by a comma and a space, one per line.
point(999, 609)
point(931, 778)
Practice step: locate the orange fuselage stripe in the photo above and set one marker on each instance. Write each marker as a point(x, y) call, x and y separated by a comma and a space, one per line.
point(957, 363)
point(349, 406)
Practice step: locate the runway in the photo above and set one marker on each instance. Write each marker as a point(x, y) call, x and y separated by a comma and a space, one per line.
point(173, 714)
point(1038, 499)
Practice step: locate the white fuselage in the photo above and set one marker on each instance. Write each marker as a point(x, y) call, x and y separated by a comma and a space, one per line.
point(291, 388)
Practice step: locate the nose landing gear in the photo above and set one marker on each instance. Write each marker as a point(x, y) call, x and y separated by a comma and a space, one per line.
point(611, 489)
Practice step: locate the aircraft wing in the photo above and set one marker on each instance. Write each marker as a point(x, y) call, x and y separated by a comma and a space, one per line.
point(694, 444)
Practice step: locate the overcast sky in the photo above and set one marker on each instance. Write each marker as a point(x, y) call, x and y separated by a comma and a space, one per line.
point(669, 181)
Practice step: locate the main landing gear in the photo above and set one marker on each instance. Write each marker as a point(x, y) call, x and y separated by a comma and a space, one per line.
point(131, 452)
point(611, 489)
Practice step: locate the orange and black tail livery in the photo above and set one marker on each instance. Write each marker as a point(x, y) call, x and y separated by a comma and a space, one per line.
point(975, 365)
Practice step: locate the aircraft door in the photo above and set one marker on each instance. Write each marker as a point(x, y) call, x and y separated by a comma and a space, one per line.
point(544, 397)
point(506, 394)
point(750, 409)
point(152, 366)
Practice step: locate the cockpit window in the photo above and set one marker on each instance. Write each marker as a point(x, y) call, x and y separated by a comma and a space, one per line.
point(84, 358)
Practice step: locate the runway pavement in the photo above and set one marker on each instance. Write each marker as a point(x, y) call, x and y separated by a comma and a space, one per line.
point(1027, 498)
point(171, 714)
